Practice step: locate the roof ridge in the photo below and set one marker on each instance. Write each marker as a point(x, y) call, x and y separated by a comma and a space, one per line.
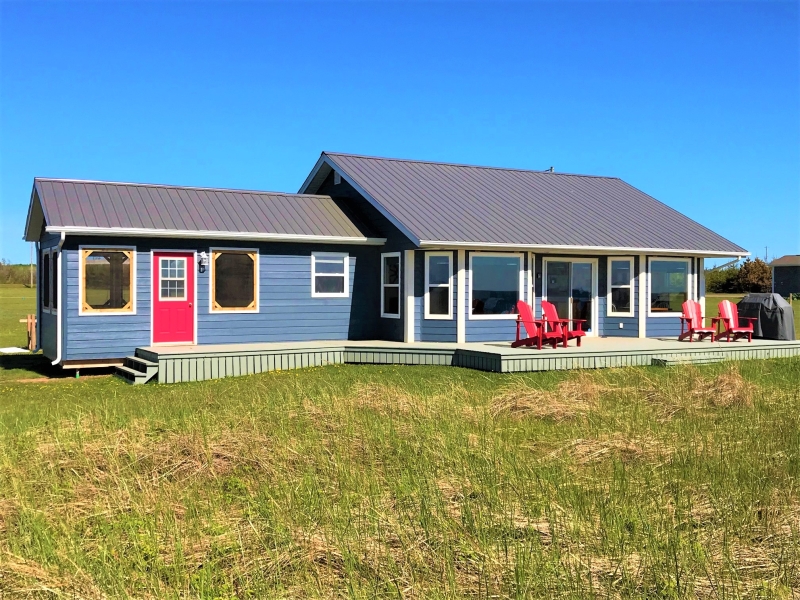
point(451, 164)
point(179, 187)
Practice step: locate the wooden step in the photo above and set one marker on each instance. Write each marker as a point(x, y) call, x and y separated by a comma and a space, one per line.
point(669, 360)
point(137, 370)
point(131, 375)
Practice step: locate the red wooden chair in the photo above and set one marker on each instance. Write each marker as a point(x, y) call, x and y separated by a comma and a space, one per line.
point(559, 328)
point(692, 321)
point(729, 317)
point(533, 328)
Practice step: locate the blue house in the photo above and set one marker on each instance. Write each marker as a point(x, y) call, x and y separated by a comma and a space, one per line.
point(368, 249)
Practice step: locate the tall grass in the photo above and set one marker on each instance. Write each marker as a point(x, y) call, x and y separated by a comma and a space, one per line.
point(406, 482)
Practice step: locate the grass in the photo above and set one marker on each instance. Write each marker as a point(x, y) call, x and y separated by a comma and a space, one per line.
point(429, 482)
point(16, 302)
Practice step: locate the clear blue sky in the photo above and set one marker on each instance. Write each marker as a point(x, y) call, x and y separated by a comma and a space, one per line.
point(698, 104)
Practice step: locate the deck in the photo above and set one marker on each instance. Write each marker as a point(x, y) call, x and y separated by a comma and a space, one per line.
point(173, 364)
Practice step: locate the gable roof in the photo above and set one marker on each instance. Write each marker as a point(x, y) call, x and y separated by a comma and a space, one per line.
point(462, 205)
point(790, 260)
point(108, 208)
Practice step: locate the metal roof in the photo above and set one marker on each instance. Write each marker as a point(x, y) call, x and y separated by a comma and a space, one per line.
point(790, 260)
point(453, 204)
point(100, 207)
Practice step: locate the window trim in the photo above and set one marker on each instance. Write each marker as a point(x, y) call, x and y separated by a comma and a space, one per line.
point(689, 285)
point(345, 256)
point(46, 308)
point(449, 286)
point(520, 283)
point(398, 285)
point(96, 312)
point(213, 251)
point(616, 313)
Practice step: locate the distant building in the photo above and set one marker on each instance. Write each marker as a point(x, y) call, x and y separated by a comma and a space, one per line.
point(786, 274)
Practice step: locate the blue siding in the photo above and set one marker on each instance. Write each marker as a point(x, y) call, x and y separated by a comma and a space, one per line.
point(287, 312)
point(89, 337)
point(47, 335)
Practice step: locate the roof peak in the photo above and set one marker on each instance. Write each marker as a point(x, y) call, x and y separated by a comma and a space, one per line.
point(452, 164)
point(177, 187)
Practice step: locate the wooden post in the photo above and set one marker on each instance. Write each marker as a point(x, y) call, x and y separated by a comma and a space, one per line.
point(31, 325)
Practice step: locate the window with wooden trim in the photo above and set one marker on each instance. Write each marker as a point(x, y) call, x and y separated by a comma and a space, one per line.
point(620, 287)
point(45, 280)
point(107, 280)
point(438, 285)
point(330, 277)
point(390, 285)
point(234, 280)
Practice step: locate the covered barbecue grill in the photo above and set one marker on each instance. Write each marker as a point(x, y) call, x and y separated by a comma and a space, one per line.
point(775, 320)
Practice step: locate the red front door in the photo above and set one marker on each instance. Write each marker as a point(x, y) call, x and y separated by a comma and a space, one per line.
point(173, 297)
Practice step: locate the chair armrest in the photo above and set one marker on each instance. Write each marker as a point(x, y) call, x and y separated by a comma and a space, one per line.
point(751, 319)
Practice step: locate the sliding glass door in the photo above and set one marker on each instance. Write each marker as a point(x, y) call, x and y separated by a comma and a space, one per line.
point(571, 285)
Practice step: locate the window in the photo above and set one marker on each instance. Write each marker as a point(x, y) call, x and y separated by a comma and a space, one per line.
point(438, 276)
point(390, 285)
point(669, 285)
point(495, 285)
point(172, 279)
point(107, 280)
point(329, 275)
point(620, 287)
point(234, 280)
point(45, 288)
point(54, 265)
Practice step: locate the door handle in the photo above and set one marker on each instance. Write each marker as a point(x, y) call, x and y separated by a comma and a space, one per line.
point(190, 305)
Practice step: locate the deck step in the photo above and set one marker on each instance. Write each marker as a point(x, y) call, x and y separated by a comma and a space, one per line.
point(137, 370)
point(670, 360)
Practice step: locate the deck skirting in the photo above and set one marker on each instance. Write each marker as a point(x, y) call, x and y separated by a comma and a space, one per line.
point(199, 363)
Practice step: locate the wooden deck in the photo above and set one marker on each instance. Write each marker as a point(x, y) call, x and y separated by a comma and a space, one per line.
point(172, 364)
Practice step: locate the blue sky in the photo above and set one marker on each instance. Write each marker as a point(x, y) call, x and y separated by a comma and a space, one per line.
point(696, 103)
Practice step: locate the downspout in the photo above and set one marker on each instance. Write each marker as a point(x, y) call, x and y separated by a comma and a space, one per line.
point(60, 301)
point(38, 345)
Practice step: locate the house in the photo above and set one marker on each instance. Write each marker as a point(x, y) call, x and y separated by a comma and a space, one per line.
point(368, 249)
point(786, 275)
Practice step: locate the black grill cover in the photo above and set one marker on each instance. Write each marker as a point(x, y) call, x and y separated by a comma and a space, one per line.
point(774, 314)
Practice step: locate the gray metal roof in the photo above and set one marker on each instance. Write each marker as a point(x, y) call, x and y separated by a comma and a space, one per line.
point(441, 202)
point(141, 209)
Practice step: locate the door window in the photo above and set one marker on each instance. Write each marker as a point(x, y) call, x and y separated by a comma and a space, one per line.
point(173, 279)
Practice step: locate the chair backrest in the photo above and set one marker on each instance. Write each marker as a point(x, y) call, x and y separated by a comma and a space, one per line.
point(730, 312)
point(691, 310)
point(526, 316)
point(550, 315)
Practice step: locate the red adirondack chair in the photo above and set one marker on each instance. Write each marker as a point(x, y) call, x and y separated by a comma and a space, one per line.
point(555, 327)
point(533, 328)
point(692, 321)
point(729, 317)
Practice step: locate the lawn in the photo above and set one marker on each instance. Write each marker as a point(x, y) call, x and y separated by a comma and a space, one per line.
point(431, 482)
point(16, 302)
point(406, 481)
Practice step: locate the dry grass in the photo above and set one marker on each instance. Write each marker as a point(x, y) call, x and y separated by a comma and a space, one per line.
point(572, 397)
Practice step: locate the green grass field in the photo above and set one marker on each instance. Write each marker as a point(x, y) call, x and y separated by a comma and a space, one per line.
point(16, 302)
point(421, 482)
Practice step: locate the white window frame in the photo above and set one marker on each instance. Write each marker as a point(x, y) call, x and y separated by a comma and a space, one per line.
point(103, 313)
point(448, 285)
point(322, 256)
point(520, 284)
point(184, 298)
point(609, 311)
point(384, 285)
point(49, 252)
point(212, 281)
point(689, 284)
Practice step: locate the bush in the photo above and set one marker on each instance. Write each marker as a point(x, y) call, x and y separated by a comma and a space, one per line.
point(755, 276)
point(16, 273)
point(724, 281)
